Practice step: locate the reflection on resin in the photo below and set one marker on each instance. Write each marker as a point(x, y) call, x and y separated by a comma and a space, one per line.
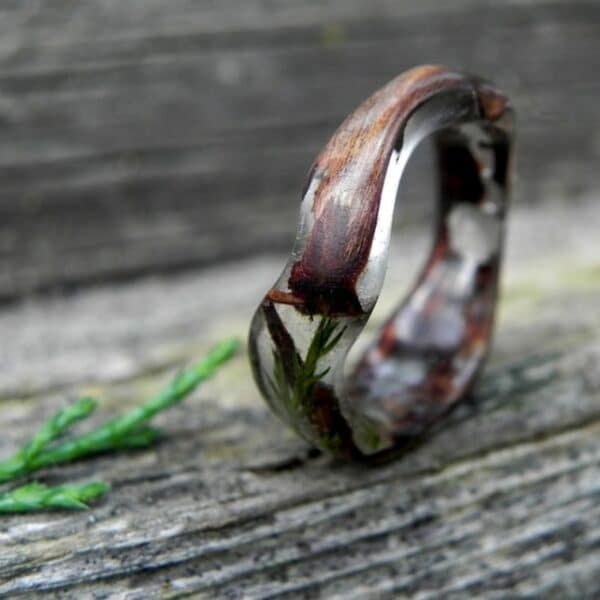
point(430, 350)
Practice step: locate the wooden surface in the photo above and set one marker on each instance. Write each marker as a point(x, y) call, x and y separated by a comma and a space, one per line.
point(152, 135)
point(502, 502)
point(156, 150)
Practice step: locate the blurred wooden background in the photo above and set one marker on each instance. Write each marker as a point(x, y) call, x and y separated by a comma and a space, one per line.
point(147, 136)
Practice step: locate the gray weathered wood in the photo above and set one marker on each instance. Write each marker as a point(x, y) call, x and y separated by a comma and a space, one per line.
point(502, 502)
point(144, 138)
point(150, 136)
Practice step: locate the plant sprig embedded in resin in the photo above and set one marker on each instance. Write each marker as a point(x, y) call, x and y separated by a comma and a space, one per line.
point(295, 387)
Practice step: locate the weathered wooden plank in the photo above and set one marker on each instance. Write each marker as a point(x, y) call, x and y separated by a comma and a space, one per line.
point(115, 333)
point(152, 137)
point(503, 501)
point(442, 532)
point(221, 524)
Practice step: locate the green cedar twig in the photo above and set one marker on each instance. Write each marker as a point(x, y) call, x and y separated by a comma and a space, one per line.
point(52, 430)
point(58, 425)
point(128, 431)
point(36, 496)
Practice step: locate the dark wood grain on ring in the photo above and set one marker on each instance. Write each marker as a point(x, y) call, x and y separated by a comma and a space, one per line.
point(354, 163)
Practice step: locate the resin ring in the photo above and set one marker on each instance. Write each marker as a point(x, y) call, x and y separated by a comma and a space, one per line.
point(430, 350)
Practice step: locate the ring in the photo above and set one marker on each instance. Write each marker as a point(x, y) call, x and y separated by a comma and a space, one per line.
point(431, 349)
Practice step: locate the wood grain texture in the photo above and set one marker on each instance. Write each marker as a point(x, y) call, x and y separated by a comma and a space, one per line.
point(160, 136)
point(502, 502)
point(143, 139)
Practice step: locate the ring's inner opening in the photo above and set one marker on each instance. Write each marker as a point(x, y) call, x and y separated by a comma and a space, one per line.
point(431, 347)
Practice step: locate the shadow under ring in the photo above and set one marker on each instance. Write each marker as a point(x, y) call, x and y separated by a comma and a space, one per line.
point(430, 350)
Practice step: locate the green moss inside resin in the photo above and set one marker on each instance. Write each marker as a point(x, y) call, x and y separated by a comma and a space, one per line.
point(295, 389)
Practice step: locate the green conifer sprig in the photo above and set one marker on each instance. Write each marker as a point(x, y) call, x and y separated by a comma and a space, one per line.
point(131, 430)
point(33, 497)
point(295, 388)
